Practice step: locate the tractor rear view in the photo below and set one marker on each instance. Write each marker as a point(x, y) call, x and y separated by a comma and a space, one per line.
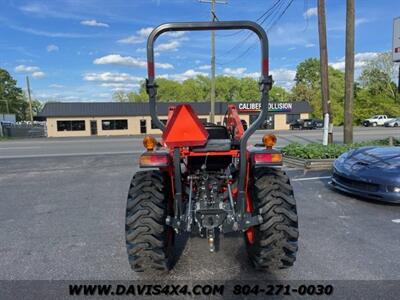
point(205, 179)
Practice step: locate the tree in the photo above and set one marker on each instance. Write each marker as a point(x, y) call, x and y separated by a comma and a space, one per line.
point(278, 94)
point(379, 75)
point(192, 90)
point(120, 96)
point(307, 88)
point(248, 90)
point(227, 88)
point(197, 89)
point(307, 73)
point(10, 94)
point(376, 92)
point(12, 99)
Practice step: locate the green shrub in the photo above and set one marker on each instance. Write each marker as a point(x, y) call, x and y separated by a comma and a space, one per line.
point(318, 151)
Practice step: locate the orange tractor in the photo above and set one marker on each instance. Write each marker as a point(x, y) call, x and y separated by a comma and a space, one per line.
point(205, 179)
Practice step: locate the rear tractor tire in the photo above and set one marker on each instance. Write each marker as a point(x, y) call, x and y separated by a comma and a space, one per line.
point(149, 241)
point(274, 242)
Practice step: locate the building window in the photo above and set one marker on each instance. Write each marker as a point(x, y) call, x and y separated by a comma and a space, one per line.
point(291, 118)
point(114, 124)
point(143, 127)
point(153, 126)
point(78, 125)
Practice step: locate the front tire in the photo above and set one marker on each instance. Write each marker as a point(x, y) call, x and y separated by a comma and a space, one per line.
point(149, 241)
point(274, 245)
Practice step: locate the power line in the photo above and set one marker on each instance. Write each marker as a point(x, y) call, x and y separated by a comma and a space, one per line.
point(265, 15)
point(258, 19)
point(239, 44)
point(288, 4)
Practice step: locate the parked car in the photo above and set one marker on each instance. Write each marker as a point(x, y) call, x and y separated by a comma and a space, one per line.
point(319, 123)
point(306, 124)
point(392, 123)
point(378, 120)
point(370, 172)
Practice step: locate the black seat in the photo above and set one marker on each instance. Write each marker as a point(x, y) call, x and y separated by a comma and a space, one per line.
point(216, 131)
point(214, 145)
point(218, 139)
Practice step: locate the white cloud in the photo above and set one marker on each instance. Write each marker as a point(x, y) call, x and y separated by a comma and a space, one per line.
point(130, 61)
point(103, 95)
point(140, 36)
point(94, 23)
point(309, 45)
point(171, 45)
point(175, 34)
point(32, 70)
point(26, 69)
point(111, 77)
point(360, 21)
point(234, 72)
point(204, 67)
point(313, 11)
point(52, 47)
point(120, 85)
point(283, 77)
point(185, 75)
point(49, 34)
point(38, 74)
point(56, 86)
point(254, 75)
point(360, 60)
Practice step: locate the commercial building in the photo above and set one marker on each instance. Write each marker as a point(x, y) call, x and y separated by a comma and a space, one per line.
point(66, 119)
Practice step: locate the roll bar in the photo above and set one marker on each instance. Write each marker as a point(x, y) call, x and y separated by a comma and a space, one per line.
point(265, 80)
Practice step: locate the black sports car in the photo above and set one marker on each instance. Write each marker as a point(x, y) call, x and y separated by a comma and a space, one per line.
point(370, 172)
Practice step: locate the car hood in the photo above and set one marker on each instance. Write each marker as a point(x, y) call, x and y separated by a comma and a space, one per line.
point(375, 164)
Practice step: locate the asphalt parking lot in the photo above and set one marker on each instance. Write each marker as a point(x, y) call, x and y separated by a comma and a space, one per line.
point(62, 217)
point(60, 147)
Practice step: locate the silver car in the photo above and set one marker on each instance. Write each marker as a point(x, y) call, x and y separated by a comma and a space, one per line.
point(393, 123)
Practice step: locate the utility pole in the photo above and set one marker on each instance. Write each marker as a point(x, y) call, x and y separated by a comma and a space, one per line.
point(213, 18)
point(323, 60)
point(29, 98)
point(349, 74)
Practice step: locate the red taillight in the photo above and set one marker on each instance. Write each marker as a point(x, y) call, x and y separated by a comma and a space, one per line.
point(154, 160)
point(262, 158)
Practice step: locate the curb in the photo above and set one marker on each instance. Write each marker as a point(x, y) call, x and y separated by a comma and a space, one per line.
point(317, 164)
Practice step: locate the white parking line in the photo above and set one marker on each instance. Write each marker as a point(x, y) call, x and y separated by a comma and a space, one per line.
point(397, 221)
point(310, 178)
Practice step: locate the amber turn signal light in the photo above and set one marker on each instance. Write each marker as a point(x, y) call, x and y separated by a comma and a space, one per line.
point(149, 142)
point(269, 140)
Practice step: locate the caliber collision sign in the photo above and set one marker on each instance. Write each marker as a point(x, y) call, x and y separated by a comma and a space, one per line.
point(272, 107)
point(396, 40)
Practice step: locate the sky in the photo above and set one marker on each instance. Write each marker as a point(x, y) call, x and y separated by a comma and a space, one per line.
point(85, 50)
